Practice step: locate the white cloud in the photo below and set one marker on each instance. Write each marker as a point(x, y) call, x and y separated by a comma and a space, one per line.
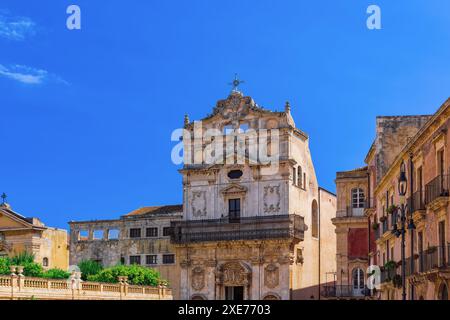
point(29, 75)
point(16, 28)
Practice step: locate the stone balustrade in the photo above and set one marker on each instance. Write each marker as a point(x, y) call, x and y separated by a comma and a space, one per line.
point(18, 287)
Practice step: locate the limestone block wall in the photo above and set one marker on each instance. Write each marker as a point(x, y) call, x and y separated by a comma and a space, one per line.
point(111, 252)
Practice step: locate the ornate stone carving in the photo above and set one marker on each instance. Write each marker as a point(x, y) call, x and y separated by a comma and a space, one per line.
point(234, 189)
point(236, 106)
point(198, 203)
point(271, 199)
point(234, 274)
point(5, 246)
point(271, 275)
point(198, 278)
point(185, 263)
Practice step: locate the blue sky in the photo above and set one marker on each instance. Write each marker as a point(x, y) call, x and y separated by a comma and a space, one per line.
point(86, 115)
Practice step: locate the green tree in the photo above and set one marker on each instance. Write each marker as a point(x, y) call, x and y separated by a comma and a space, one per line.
point(56, 273)
point(26, 260)
point(4, 265)
point(137, 275)
point(89, 268)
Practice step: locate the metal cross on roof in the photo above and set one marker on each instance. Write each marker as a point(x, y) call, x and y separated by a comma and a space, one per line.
point(236, 82)
point(4, 196)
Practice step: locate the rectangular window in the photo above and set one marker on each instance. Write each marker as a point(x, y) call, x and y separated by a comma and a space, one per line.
point(168, 258)
point(135, 232)
point(113, 234)
point(151, 232)
point(294, 177)
point(83, 235)
point(234, 210)
point(151, 259)
point(98, 234)
point(419, 180)
point(135, 259)
point(167, 231)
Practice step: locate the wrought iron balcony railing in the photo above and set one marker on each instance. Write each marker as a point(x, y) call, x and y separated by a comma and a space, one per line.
point(344, 291)
point(438, 187)
point(436, 257)
point(433, 258)
point(247, 228)
point(350, 212)
point(417, 201)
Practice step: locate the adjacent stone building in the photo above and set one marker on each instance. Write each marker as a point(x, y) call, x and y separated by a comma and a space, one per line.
point(248, 231)
point(252, 226)
point(20, 234)
point(352, 235)
point(417, 148)
point(139, 237)
point(421, 151)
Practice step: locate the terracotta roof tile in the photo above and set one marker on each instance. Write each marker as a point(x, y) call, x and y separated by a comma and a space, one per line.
point(156, 210)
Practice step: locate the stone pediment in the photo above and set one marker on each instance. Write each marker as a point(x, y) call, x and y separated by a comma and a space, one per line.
point(234, 189)
point(235, 107)
point(11, 220)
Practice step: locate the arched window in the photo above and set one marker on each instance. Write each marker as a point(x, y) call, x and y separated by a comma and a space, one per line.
point(358, 198)
point(358, 281)
point(299, 177)
point(45, 262)
point(314, 220)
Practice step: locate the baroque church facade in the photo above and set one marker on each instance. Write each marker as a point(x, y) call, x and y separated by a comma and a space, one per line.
point(251, 226)
point(249, 231)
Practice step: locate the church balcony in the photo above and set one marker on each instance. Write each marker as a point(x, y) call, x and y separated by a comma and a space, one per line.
point(244, 228)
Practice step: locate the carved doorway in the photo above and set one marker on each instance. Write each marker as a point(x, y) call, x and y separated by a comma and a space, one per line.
point(234, 293)
point(233, 281)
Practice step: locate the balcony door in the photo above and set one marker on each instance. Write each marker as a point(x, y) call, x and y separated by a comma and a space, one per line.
point(234, 210)
point(358, 282)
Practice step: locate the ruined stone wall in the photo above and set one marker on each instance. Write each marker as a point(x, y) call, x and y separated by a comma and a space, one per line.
point(112, 251)
point(392, 134)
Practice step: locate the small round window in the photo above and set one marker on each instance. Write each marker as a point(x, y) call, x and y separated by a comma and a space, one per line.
point(235, 174)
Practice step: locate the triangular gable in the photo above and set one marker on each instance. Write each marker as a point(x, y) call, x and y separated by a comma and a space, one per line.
point(11, 220)
point(234, 189)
